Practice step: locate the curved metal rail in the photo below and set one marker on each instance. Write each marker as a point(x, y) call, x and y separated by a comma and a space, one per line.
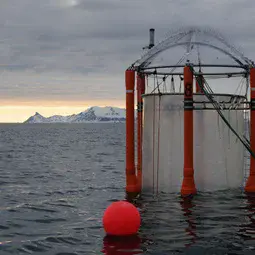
point(175, 38)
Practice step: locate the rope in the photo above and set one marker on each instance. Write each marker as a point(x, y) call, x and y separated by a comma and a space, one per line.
point(164, 87)
point(159, 103)
point(218, 123)
point(171, 71)
point(225, 156)
point(207, 91)
point(246, 98)
point(157, 84)
point(172, 85)
point(153, 138)
point(180, 88)
point(159, 94)
point(239, 87)
point(229, 116)
point(247, 87)
point(170, 149)
point(146, 83)
point(237, 124)
point(222, 142)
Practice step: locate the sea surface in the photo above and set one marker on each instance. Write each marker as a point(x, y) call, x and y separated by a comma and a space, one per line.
point(56, 180)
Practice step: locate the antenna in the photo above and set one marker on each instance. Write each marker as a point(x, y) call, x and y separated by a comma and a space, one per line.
point(152, 39)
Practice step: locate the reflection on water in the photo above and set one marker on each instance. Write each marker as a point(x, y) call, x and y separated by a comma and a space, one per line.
point(209, 223)
point(187, 205)
point(247, 230)
point(121, 245)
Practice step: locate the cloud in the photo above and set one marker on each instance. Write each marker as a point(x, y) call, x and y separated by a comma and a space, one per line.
point(96, 40)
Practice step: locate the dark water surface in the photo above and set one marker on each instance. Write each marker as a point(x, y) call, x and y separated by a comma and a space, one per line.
point(57, 179)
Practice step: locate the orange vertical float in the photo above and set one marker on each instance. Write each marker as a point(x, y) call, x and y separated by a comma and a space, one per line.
point(140, 92)
point(250, 185)
point(131, 183)
point(188, 184)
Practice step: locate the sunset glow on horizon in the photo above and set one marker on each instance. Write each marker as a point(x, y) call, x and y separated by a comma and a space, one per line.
point(11, 113)
point(59, 57)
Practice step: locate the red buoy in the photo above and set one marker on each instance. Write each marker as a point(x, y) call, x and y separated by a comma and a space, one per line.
point(121, 218)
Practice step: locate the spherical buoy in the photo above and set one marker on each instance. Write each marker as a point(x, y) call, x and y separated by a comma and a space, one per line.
point(121, 218)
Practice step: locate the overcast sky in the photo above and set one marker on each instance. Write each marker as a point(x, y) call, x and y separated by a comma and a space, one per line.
point(77, 50)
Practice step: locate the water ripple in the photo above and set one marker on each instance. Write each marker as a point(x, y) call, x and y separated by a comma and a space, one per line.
point(56, 181)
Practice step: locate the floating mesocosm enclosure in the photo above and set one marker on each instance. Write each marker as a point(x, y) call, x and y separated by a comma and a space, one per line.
point(195, 121)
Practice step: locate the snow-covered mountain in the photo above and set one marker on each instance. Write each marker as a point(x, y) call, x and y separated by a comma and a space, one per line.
point(93, 114)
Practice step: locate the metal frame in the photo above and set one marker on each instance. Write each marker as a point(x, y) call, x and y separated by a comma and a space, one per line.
point(181, 94)
point(226, 105)
point(146, 70)
point(175, 38)
point(194, 65)
point(230, 74)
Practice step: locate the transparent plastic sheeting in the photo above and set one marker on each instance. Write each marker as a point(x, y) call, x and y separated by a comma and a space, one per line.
point(218, 154)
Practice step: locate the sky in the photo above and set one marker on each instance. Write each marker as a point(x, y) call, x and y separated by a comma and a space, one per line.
point(63, 56)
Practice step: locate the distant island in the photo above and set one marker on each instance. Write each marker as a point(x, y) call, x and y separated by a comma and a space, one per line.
point(92, 114)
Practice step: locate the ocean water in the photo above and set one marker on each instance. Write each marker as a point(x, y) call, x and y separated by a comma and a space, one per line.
point(57, 179)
